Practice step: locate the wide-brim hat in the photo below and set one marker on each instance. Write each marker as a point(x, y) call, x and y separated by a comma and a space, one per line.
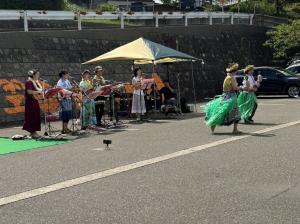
point(98, 68)
point(249, 68)
point(233, 67)
point(85, 72)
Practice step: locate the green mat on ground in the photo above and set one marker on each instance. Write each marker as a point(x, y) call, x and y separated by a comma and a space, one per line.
point(8, 145)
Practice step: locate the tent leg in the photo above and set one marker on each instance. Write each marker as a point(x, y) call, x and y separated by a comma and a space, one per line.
point(168, 73)
point(194, 91)
point(179, 94)
point(154, 94)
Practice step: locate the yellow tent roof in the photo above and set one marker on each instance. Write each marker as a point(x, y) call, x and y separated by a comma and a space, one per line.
point(142, 50)
point(163, 60)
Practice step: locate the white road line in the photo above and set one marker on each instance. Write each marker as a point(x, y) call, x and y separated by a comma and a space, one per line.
point(121, 169)
point(98, 149)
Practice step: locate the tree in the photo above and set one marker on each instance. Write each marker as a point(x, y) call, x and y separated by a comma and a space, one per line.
point(285, 41)
point(279, 6)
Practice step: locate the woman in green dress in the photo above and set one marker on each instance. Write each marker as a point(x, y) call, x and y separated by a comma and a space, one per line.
point(223, 110)
point(247, 101)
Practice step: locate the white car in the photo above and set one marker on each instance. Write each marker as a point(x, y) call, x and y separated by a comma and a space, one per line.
point(295, 68)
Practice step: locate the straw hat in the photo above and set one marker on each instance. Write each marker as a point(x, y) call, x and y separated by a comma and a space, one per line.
point(86, 71)
point(98, 68)
point(232, 67)
point(248, 68)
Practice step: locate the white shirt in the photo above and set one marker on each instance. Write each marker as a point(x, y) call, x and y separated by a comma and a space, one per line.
point(136, 80)
point(250, 80)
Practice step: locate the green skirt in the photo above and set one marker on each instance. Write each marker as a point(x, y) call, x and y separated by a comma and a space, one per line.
point(246, 102)
point(222, 110)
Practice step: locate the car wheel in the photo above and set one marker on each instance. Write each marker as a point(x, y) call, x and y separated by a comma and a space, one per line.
point(293, 91)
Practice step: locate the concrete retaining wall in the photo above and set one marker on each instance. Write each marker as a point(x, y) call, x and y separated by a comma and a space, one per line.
point(52, 51)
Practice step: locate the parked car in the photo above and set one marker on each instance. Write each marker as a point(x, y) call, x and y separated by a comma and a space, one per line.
point(276, 81)
point(295, 68)
point(294, 62)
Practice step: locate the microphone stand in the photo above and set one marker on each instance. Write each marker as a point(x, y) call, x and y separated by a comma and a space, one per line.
point(45, 113)
point(154, 89)
point(114, 112)
point(73, 125)
point(141, 100)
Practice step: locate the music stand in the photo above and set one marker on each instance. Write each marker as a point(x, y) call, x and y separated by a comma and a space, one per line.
point(49, 129)
point(147, 85)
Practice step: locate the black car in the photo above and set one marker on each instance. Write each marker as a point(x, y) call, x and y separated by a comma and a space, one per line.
point(275, 81)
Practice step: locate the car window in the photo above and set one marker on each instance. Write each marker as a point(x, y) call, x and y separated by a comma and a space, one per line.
point(268, 73)
point(286, 72)
point(295, 69)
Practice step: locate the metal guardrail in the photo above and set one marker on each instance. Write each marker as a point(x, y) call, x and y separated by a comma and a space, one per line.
point(67, 15)
point(10, 15)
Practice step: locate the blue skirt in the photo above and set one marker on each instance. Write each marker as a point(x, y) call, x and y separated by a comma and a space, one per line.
point(65, 112)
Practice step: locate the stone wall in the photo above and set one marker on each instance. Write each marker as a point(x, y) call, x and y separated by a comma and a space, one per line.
point(52, 51)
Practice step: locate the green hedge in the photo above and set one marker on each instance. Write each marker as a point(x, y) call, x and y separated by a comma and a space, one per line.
point(106, 8)
point(263, 6)
point(32, 4)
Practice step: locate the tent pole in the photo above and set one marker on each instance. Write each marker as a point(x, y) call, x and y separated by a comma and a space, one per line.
point(194, 91)
point(179, 94)
point(168, 73)
point(154, 89)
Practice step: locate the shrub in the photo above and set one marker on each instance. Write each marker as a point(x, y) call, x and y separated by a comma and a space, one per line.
point(106, 8)
point(263, 7)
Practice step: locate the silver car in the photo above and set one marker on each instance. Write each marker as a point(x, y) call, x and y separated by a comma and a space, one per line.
point(295, 68)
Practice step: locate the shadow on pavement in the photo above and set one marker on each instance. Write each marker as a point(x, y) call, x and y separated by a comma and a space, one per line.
point(260, 124)
point(244, 133)
point(274, 97)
